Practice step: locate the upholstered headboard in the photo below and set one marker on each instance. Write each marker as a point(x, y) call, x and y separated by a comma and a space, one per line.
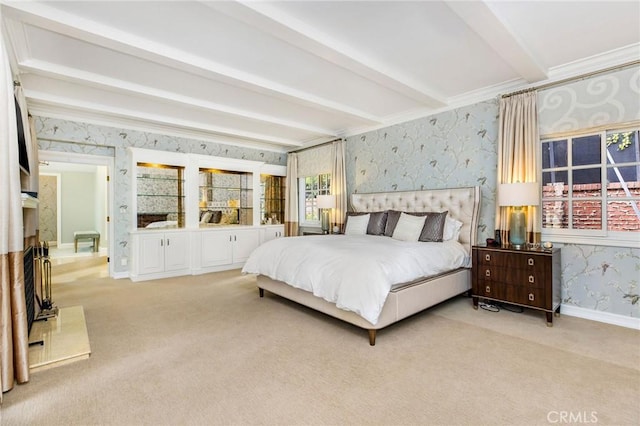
point(461, 203)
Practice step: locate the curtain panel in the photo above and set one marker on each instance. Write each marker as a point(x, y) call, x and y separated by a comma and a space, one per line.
point(339, 183)
point(518, 141)
point(14, 344)
point(291, 198)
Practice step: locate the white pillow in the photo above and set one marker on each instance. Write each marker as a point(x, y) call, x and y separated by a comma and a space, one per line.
point(206, 217)
point(357, 225)
point(409, 227)
point(451, 229)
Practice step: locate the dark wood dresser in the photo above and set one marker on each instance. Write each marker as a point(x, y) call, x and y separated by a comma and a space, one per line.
point(523, 277)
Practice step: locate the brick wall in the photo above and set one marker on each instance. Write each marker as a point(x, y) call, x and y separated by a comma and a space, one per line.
point(588, 213)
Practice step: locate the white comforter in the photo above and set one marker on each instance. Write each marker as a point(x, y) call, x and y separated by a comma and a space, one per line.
point(355, 272)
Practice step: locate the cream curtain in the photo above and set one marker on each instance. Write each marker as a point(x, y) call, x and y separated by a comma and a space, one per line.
point(14, 344)
point(339, 182)
point(291, 198)
point(518, 142)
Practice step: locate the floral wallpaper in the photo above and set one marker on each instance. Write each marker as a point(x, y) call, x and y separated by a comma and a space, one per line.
point(84, 138)
point(451, 149)
point(48, 208)
point(459, 148)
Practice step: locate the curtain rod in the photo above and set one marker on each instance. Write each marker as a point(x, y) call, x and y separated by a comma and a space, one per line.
point(314, 146)
point(571, 79)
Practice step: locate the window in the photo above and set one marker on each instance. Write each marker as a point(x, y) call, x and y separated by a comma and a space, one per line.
point(591, 187)
point(309, 188)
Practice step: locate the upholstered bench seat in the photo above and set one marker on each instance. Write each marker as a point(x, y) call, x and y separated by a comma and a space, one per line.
point(87, 235)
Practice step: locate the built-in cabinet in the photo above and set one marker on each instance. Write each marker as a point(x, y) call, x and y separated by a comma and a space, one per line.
point(160, 254)
point(194, 214)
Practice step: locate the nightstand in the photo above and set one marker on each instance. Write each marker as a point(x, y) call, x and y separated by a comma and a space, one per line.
point(523, 277)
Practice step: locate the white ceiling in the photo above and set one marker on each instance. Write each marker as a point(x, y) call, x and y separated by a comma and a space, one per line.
point(285, 75)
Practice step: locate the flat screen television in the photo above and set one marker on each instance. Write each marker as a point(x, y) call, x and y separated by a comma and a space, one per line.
point(22, 142)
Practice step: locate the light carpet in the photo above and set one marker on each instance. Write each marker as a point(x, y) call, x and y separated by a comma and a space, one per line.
point(206, 350)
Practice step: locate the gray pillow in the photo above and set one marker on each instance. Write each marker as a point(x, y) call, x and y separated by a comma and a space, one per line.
point(377, 221)
point(433, 225)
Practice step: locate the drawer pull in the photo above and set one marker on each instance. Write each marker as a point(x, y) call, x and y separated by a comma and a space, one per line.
point(487, 257)
point(531, 297)
point(532, 279)
point(487, 273)
point(487, 289)
point(530, 261)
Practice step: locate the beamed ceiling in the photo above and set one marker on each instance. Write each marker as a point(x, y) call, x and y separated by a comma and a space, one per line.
point(292, 74)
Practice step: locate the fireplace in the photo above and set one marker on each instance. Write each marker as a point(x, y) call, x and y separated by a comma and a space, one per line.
point(29, 285)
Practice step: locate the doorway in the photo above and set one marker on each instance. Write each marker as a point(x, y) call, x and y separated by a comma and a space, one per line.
point(75, 195)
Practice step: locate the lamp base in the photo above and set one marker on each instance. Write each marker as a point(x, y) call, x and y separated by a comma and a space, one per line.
point(518, 228)
point(324, 221)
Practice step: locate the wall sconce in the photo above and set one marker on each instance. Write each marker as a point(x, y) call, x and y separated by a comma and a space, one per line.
point(517, 195)
point(325, 203)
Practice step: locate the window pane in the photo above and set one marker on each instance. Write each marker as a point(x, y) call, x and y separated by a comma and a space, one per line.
point(623, 215)
point(555, 214)
point(587, 214)
point(554, 154)
point(555, 184)
point(586, 176)
point(586, 150)
point(623, 147)
point(616, 187)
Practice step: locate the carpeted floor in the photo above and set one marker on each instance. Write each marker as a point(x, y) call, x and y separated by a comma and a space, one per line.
point(206, 350)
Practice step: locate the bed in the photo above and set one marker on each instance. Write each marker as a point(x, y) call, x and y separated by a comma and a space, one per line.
point(403, 299)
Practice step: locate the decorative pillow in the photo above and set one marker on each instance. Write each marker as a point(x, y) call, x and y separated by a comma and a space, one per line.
point(409, 227)
point(433, 227)
point(392, 221)
point(377, 221)
point(216, 216)
point(206, 217)
point(451, 229)
point(357, 225)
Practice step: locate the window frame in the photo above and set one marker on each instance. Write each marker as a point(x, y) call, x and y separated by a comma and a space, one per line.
point(302, 197)
point(601, 237)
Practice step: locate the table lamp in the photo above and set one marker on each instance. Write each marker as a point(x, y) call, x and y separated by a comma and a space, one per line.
point(325, 203)
point(517, 195)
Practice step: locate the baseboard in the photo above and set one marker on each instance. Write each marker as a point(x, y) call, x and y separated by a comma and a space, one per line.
point(600, 316)
point(120, 275)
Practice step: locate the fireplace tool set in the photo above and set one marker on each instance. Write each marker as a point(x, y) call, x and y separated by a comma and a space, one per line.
point(47, 307)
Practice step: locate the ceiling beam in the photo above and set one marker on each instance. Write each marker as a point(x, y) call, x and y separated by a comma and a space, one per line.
point(479, 16)
point(269, 19)
point(47, 69)
point(52, 19)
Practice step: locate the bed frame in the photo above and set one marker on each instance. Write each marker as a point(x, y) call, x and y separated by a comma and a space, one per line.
point(407, 299)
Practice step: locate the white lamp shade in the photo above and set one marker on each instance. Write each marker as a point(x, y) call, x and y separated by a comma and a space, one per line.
point(518, 194)
point(326, 201)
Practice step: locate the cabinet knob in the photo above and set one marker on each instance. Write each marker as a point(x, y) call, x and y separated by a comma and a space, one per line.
point(167, 241)
point(487, 257)
point(487, 289)
point(532, 279)
point(530, 261)
point(531, 297)
point(487, 273)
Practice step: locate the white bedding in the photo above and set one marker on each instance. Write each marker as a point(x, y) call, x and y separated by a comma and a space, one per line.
point(355, 272)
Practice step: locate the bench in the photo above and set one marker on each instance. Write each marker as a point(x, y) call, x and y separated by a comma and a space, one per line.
point(87, 235)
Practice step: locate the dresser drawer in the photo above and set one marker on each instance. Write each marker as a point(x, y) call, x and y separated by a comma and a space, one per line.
point(493, 273)
point(523, 277)
point(489, 289)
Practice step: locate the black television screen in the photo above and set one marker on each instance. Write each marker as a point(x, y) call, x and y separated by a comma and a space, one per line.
point(22, 142)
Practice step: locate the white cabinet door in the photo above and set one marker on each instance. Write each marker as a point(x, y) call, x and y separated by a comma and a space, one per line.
point(244, 242)
point(216, 248)
point(150, 253)
point(272, 232)
point(176, 251)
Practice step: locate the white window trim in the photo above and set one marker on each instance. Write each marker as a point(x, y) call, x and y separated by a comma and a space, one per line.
point(590, 237)
point(301, 208)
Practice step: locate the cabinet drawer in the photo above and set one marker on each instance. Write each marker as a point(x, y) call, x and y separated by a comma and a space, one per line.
point(532, 296)
point(493, 273)
point(527, 278)
point(487, 257)
point(490, 289)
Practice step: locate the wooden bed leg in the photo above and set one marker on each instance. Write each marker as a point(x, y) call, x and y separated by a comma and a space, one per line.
point(261, 291)
point(372, 337)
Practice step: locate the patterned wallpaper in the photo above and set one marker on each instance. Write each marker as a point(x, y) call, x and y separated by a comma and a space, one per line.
point(459, 148)
point(451, 149)
point(48, 208)
point(68, 136)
